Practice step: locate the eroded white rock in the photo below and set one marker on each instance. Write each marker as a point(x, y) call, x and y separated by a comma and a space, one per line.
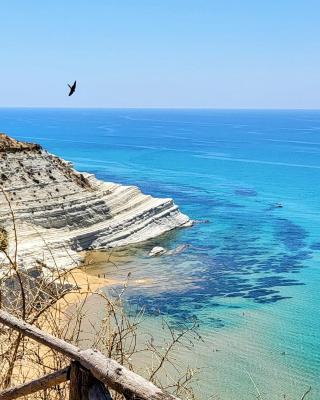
point(157, 251)
point(59, 211)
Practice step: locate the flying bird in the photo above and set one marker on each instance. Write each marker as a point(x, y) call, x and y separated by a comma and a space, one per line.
point(72, 88)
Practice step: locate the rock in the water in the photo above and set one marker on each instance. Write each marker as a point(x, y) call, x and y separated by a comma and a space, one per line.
point(188, 224)
point(200, 221)
point(60, 211)
point(157, 251)
point(179, 249)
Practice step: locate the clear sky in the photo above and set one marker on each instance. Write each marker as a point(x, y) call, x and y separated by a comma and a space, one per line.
point(161, 53)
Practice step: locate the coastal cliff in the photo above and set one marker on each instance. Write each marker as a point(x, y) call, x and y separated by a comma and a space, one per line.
point(59, 212)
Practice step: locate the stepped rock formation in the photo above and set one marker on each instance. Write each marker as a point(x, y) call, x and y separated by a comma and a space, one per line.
point(59, 212)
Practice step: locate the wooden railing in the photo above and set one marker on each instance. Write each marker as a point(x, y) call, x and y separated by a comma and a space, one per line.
point(90, 372)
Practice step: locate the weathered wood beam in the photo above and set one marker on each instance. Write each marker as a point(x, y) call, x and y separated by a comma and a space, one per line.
point(106, 370)
point(45, 382)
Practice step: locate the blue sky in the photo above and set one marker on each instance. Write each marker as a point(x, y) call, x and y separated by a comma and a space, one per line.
point(161, 53)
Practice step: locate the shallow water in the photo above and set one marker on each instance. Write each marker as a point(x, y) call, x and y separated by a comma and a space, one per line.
point(250, 275)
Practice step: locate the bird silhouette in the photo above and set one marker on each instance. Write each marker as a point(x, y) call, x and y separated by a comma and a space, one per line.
point(72, 88)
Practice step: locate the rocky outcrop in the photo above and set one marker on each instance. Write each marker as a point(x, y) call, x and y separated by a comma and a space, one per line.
point(59, 212)
point(157, 251)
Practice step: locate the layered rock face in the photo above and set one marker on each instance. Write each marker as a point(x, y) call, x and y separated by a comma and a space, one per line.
point(59, 212)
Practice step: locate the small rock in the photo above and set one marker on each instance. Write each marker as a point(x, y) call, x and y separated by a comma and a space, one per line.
point(178, 249)
point(157, 251)
point(201, 221)
point(188, 224)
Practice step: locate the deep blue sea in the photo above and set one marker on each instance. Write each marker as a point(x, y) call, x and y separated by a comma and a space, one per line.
point(251, 275)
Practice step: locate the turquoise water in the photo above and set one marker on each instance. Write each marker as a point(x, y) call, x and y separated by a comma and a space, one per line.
point(251, 274)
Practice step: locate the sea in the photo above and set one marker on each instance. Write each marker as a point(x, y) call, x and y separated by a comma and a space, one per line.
point(250, 273)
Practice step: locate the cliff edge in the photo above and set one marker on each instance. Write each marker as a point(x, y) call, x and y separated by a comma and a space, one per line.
point(59, 211)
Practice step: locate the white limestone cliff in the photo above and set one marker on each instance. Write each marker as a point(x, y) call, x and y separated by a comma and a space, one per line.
point(60, 212)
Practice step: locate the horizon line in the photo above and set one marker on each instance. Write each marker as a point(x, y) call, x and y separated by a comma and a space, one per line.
point(162, 108)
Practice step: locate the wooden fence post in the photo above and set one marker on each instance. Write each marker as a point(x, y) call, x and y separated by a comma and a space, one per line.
point(84, 386)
